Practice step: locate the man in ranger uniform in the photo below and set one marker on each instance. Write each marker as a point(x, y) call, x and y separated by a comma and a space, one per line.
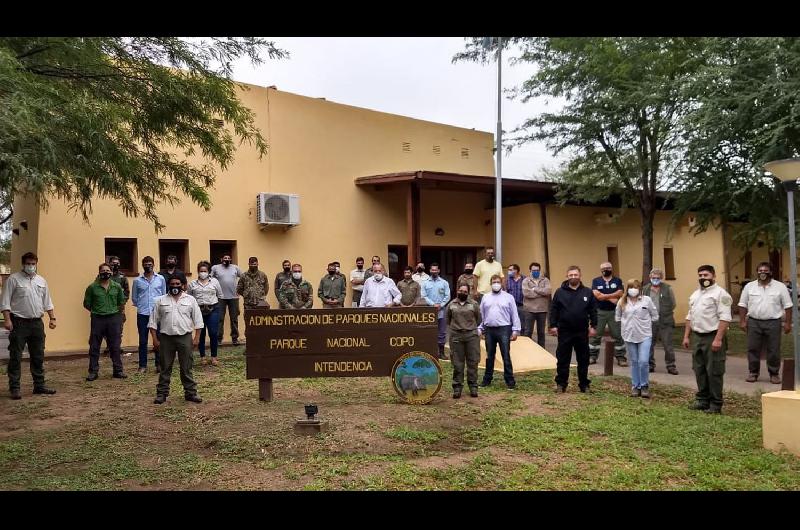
point(296, 293)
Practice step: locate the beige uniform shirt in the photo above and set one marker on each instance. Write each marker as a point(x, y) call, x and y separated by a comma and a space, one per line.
point(25, 296)
point(176, 318)
point(765, 303)
point(707, 307)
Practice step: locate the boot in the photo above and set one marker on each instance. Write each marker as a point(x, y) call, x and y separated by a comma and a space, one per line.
point(441, 352)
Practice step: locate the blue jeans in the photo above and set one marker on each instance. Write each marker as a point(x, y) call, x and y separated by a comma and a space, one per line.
point(498, 335)
point(211, 322)
point(144, 333)
point(640, 362)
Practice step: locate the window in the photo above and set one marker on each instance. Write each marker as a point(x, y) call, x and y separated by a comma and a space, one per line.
point(748, 265)
point(398, 259)
point(217, 249)
point(669, 264)
point(174, 247)
point(125, 250)
point(613, 258)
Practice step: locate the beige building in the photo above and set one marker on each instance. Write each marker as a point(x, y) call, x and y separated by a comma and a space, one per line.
point(366, 183)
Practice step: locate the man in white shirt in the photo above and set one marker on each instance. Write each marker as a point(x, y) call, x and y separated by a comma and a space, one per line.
point(24, 300)
point(379, 290)
point(761, 307)
point(357, 280)
point(420, 276)
point(176, 314)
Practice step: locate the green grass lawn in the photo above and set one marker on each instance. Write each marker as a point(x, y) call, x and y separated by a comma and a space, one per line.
point(737, 341)
point(108, 435)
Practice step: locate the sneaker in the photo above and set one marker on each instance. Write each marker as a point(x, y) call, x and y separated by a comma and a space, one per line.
point(775, 379)
point(214, 361)
point(473, 392)
point(699, 406)
point(622, 361)
point(636, 392)
point(592, 360)
point(204, 360)
point(752, 378)
point(645, 391)
point(672, 370)
point(560, 389)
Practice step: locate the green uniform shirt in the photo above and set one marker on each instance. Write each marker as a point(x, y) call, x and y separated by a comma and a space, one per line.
point(122, 280)
point(664, 300)
point(332, 287)
point(253, 287)
point(463, 317)
point(409, 290)
point(102, 301)
point(296, 296)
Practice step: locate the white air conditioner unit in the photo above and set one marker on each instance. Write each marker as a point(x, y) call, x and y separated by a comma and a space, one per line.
point(277, 209)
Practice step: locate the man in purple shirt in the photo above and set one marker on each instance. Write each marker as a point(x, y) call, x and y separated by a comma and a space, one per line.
point(500, 323)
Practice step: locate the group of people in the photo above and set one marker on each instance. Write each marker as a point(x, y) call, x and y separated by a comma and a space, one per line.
point(179, 315)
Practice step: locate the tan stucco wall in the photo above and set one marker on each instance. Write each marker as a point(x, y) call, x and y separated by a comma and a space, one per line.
point(576, 238)
point(25, 209)
point(317, 149)
point(523, 240)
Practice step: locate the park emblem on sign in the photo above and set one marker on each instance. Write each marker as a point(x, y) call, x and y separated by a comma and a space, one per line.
point(344, 342)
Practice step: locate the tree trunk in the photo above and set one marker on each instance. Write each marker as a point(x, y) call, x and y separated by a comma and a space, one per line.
point(647, 217)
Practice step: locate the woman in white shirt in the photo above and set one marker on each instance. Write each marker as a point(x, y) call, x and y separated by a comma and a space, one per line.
point(207, 291)
point(637, 314)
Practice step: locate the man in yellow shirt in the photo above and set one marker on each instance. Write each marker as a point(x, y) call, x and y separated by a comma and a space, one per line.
point(484, 270)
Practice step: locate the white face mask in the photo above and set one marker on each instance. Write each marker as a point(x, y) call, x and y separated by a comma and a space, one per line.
point(203, 275)
point(633, 292)
point(496, 287)
point(30, 269)
point(297, 275)
point(378, 276)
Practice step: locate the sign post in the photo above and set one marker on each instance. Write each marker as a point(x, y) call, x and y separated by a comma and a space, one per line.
point(334, 342)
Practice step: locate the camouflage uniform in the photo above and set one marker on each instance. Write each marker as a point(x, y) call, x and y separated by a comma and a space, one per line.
point(253, 288)
point(296, 296)
point(470, 281)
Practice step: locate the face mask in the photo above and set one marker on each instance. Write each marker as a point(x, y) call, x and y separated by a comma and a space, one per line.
point(171, 265)
point(105, 275)
point(536, 274)
point(462, 296)
point(764, 276)
point(30, 269)
point(467, 271)
point(226, 262)
point(297, 275)
point(606, 272)
point(360, 267)
point(203, 275)
point(378, 276)
point(655, 281)
point(174, 291)
point(496, 287)
point(705, 283)
point(633, 293)
point(490, 258)
point(148, 268)
point(510, 274)
point(337, 270)
point(332, 272)
point(115, 267)
point(287, 269)
point(253, 268)
point(420, 269)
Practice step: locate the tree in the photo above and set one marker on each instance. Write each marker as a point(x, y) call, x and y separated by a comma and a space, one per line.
point(748, 99)
point(621, 124)
point(121, 118)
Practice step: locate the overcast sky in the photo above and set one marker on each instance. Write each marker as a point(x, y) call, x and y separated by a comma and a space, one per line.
point(411, 76)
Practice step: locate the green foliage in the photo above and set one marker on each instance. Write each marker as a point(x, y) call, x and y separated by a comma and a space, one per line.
point(128, 119)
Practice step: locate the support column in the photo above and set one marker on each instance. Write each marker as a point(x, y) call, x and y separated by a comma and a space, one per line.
point(413, 223)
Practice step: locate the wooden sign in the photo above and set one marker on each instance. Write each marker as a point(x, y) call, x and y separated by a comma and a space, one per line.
point(333, 342)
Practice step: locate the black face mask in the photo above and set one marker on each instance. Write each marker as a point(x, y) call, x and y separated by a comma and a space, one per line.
point(764, 276)
point(148, 268)
point(360, 267)
point(174, 291)
point(462, 296)
point(171, 265)
point(606, 272)
point(705, 283)
point(287, 269)
point(226, 262)
point(332, 272)
point(115, 267)
point(253, 268)
point(105, 275)
point(467, 271)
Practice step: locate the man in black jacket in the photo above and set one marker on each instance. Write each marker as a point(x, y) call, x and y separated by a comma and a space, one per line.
point(573, 319)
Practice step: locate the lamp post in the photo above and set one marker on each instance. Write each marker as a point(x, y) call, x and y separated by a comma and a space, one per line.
point(498, 193)
point(788, 171)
